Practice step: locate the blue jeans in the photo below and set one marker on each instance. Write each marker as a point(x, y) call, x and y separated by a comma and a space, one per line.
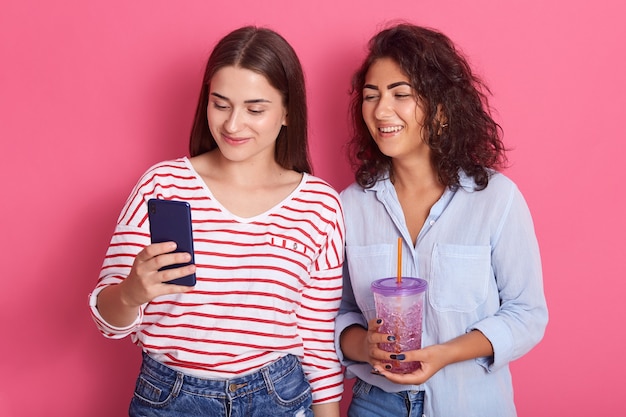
point(370, 401)
point(278, 389)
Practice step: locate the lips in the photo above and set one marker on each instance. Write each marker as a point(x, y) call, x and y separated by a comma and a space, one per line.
point(390, 129)
point(233, 140)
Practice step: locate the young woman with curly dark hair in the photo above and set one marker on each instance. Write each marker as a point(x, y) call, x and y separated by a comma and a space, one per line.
point(426, 153)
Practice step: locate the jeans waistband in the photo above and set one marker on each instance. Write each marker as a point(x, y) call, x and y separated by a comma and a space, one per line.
point(233, 387)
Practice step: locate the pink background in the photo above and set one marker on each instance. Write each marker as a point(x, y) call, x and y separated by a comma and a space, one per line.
point(92, 94)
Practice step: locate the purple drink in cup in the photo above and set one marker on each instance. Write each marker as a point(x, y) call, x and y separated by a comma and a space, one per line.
point(400, 305)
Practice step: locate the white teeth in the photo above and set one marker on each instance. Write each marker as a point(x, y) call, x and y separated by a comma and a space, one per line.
point(390, 129)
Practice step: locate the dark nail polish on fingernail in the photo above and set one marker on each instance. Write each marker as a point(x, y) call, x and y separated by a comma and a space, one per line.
point(387, 367)
point(379, 321)
point(399, 357)
point(391, 338)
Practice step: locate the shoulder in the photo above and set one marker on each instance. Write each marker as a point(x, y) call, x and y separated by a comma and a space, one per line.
point(498, 184)
point(314, 184)
point(315, 190)
point(502, 187)
point(167, 175)
point(501, 195)
point(355, 195)
point(174, 168)
point(351, 189)
point(172, 165)
point(500, 180)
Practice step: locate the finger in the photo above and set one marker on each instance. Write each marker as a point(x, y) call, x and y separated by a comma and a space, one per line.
point(414, 378)
point(414, 355)
point(166, 288)
point(376, 338)
point(156, 249)
point(374, 324)
point(377, 354)
point(174, 273)
point(378, 367)
point(168, 259)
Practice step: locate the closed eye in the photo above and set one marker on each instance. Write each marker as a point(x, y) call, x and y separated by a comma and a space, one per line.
point(219, 106)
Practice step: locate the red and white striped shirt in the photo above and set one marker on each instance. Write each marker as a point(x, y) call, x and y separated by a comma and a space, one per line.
point(267, 286)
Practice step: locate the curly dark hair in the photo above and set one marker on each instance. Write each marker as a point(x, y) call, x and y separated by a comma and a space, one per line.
point(469, 140)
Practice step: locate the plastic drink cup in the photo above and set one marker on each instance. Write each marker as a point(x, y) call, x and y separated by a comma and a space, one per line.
point(400, 305)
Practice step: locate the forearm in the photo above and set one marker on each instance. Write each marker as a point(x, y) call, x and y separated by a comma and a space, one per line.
point(435, 357)
point(353, 343)
point(326, 410)
point(113, 309)
point(468, 346)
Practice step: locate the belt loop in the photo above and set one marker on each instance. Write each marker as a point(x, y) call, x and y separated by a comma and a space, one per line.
point(178, 384)
point(267, 377)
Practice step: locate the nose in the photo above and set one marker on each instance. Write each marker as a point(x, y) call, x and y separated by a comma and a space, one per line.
point(234, 122)
point(383, 107)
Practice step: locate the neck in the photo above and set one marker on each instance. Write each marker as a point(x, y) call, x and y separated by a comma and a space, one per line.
point(415, 175)
point(249, 172)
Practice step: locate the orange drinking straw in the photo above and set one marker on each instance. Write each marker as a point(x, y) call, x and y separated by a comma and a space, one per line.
point(399, 279)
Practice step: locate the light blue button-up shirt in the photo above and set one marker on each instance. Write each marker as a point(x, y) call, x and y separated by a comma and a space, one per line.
point(479, 254)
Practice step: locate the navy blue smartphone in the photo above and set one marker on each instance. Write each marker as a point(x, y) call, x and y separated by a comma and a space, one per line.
point(170, 220)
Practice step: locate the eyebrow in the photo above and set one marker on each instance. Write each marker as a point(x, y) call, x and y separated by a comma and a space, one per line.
point(389, 87)
point(252, 101)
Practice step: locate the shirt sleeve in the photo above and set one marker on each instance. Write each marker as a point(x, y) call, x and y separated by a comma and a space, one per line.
point(349, 314)
point(108, 330)
point(126, 243)
point(130, 236)
point(521, 320)
point(316, 317)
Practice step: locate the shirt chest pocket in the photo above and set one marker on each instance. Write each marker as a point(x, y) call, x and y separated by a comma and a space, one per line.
point(288, 260)
point(460, 277)
point(367, 264)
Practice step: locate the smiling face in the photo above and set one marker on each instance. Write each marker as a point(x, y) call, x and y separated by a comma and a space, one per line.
point(392, 112)
point(245, 114)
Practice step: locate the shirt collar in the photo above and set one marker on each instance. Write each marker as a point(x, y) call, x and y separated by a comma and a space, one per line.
point(466, 182)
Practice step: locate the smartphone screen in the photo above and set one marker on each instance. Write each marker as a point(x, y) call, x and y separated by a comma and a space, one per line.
point(170, 220)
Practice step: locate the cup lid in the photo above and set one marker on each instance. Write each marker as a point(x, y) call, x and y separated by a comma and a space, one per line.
point(390, 286)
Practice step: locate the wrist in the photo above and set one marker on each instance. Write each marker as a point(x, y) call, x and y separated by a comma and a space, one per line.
point(124, 299)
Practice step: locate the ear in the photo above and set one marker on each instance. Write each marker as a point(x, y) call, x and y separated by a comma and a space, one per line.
point(285, 119)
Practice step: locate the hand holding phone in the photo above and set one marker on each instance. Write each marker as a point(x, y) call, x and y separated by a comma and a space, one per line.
point(170, 220)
